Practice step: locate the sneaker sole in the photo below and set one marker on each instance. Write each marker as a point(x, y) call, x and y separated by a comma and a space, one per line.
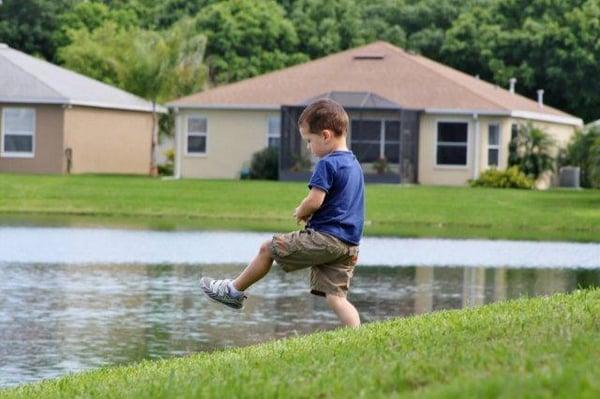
point(213, 297)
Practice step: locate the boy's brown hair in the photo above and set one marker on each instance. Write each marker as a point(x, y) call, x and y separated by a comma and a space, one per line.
point(325, 114)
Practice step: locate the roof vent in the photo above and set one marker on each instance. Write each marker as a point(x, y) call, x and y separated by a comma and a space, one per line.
point(540, 94)
point(369, 57)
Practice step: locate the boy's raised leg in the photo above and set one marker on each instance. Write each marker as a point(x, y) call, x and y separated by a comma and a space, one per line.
point(230, 292)
point(345, 311)
point(257, 269)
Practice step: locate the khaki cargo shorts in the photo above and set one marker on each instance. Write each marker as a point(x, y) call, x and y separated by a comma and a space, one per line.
point(331, 261)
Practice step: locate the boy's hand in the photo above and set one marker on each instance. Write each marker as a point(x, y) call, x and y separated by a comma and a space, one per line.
point(300, 219)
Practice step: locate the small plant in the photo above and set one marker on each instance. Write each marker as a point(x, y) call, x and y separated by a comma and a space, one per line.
point(531, 151)
point(166, 169)
point(509, 178)
point(265, 164)
point(381, 166)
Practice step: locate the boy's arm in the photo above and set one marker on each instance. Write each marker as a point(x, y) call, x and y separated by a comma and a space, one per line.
point(310, 204)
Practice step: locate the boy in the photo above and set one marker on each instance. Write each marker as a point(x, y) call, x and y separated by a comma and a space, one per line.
point(333, 212)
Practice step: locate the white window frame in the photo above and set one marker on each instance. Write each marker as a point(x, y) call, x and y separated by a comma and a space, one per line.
point(381, 131)
point(12, 154)
point(195, 134)
point(494, 146)
point(271, 135)
point(436, 143)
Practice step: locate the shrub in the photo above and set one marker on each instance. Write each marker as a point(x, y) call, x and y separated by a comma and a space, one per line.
point(531, 151)
point(584, 151)
point(509, 178)
point(265, 164)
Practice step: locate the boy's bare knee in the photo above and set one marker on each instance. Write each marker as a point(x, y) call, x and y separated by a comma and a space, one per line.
point(265, 249)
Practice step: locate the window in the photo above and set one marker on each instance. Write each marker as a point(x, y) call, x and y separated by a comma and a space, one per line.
point(374, 139)
point(196, 135)
point(18, 132)
point(452, 143)
point(493, 144)
point(514, 131)
point(274, 131)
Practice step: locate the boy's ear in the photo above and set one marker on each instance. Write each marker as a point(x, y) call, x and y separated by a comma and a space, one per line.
point(327, 134)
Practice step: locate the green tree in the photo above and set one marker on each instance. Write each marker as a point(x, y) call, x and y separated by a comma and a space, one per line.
point(532, 151)
point(584, 151)
point(29, 25)
point(552, 45)
point(326, 27)
point(91, 15)
point(247, 38)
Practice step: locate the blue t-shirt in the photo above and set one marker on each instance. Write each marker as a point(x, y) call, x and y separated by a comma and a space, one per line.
point(343, 211)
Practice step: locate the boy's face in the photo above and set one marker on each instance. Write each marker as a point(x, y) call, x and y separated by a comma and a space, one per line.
point(318, 144)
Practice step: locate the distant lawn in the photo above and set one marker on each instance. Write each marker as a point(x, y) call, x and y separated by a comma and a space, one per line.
point(392, 210)
point(545, 347)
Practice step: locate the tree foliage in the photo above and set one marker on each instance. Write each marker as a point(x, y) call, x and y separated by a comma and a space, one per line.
point(30, 25)
point(584, 151)
point(247, 38)
point(155, 65)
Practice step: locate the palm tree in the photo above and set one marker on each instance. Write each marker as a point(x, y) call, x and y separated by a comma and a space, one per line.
point(532, 151)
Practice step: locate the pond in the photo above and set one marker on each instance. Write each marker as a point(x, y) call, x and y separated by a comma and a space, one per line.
point(86, 312)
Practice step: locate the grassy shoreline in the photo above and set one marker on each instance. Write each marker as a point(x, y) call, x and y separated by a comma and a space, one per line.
point(537, 347)
point(392, 210)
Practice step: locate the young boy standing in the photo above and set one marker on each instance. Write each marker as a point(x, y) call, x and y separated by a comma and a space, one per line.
point(333, 212)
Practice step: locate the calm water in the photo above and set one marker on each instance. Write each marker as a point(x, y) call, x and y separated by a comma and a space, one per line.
point(60, 318)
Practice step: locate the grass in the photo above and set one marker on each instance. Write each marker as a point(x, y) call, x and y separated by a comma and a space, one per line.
point(392, 210)
point(540, 347)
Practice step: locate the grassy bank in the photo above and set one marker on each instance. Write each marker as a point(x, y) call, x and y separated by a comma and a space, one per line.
point(540, 347)
point(392, 210)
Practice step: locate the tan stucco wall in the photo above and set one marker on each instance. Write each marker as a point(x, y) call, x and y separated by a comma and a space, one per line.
point(108, 141)
point(431, 174)
point(48, 140)
point(232, 137)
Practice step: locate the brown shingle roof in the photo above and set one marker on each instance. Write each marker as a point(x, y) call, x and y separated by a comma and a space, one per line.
point(410, 80)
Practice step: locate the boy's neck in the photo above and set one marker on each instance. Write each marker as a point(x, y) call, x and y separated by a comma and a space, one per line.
point(339, 145)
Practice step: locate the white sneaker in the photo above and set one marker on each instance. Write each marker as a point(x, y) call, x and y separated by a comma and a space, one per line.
point(218, 291)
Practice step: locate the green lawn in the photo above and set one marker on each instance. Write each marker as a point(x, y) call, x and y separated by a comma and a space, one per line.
point(535, 348)
point(392, 210)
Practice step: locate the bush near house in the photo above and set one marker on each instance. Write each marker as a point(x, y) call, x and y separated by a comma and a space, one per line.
point(531, 150)
point(509, 178)
point(584, 151)
point(265, 164)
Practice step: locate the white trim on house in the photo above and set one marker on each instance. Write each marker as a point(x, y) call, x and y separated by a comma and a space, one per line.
point(435, 146)
point(51, 101)
point(565, 120)
point(240, 107)
point(196, 134)
point(18, 154)
point(497, 147)
point(476, 145)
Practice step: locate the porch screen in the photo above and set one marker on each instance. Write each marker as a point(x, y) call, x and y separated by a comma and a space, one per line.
point(375, 139)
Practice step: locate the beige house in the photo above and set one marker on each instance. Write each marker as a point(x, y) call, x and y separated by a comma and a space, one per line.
point(56, 121)
point(446, 125)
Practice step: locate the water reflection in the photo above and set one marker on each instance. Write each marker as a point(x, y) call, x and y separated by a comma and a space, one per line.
point(56, 319)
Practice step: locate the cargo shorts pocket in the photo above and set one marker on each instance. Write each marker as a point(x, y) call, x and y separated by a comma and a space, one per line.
point(284, 245)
